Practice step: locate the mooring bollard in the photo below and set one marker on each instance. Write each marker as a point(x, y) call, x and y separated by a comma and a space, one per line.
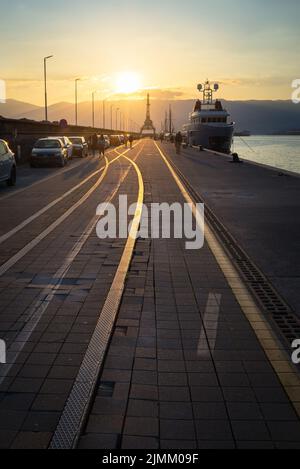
point(235, 158)
point(2, 352)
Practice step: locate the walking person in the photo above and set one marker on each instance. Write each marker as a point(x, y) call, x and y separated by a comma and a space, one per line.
point(101, 146)
point(131, 139)
point(178, 142)
point(94, 142)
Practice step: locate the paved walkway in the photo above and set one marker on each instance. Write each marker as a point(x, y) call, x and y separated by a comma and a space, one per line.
point(184, 368)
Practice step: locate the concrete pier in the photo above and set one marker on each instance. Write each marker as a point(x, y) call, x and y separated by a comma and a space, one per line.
point(183, 355)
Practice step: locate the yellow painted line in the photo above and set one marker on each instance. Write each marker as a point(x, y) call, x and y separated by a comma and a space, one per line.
point(74, 415)
point(36, 215)
point(275, 352)
point(48, 293)
point(20, 254)
point(83, 162)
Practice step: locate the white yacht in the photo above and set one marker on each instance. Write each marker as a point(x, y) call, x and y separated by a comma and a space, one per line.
point(209, 124)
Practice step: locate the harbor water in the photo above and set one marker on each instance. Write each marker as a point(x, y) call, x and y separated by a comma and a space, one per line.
point(282, 152)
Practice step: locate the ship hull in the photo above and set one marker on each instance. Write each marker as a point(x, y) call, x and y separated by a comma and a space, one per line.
point(214, 138)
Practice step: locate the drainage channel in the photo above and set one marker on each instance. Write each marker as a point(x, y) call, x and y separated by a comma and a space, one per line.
point(77, 408)
point(275, 307)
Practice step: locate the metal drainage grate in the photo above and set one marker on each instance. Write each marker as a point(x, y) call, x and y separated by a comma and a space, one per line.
point(288, 324)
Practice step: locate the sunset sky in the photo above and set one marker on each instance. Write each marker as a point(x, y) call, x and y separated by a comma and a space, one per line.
point(250, 46)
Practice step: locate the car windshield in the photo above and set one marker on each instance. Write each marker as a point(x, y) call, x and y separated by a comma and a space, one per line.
point(47, 144)
point(77, 141)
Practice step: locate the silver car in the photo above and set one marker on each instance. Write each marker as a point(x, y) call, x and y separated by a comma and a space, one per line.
point(8, 167)
point(68, 145)
point(48, 152)
point(80, 147)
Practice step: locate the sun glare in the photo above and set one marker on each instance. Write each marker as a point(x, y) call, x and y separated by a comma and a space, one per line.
point(127, 82)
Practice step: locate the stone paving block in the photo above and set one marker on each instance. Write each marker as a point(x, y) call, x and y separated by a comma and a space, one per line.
point(177, 430)
point(142, 352)
point(176, 355)
point(203, 379)
point(174, 394)
point(171, 366)
point(99, 441)
point(11, 420)
point(16, 401)
point(107, 424)
point(216, 445)
point(49, 403)
point(140, 408)
point(109, 406)
point(120, 376)
point(144, 377)
point(178, 444)
point(6, 438)
point(206, 394)
point(141, 426)
point(41, 359)
point(245, 430)
point(285, 431)
point(244, 411)
point(287, 445)
point(56, 386)
point(31, 440)
point(270, 395)
point(176, 411)
point(143, 443)
point(172, 379)
point(45, 422)
point(256, 445)
point(210, 411)
point(213, 430)
point(234, 380)
point(26, 385)
point(145, 364)
point(278, 411)
point(144, 392)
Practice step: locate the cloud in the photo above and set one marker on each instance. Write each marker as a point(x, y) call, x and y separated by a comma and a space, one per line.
point(161, 93)
point(257, 81)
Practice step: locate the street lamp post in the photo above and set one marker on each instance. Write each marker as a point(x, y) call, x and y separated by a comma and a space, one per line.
point(76, 100)
point(45, 83)
point(117, 110)
point(93, 108)
point(104, 113)
point(111, 116)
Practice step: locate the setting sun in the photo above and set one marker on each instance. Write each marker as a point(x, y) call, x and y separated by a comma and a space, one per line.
point(128, 82)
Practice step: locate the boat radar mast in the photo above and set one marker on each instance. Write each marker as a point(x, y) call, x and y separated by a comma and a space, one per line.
point(208, 91)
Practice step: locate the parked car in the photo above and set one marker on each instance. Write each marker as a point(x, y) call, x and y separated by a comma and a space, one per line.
point(68, 145)
point(49, 151)
point(8, 167)
point(115, 140)
point(80, 147)
point(107, 141)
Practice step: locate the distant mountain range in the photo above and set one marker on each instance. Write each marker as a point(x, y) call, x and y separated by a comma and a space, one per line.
point(258, 117)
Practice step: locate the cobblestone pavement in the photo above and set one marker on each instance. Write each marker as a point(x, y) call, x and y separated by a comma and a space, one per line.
point(47, 340)
point(184, 368)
